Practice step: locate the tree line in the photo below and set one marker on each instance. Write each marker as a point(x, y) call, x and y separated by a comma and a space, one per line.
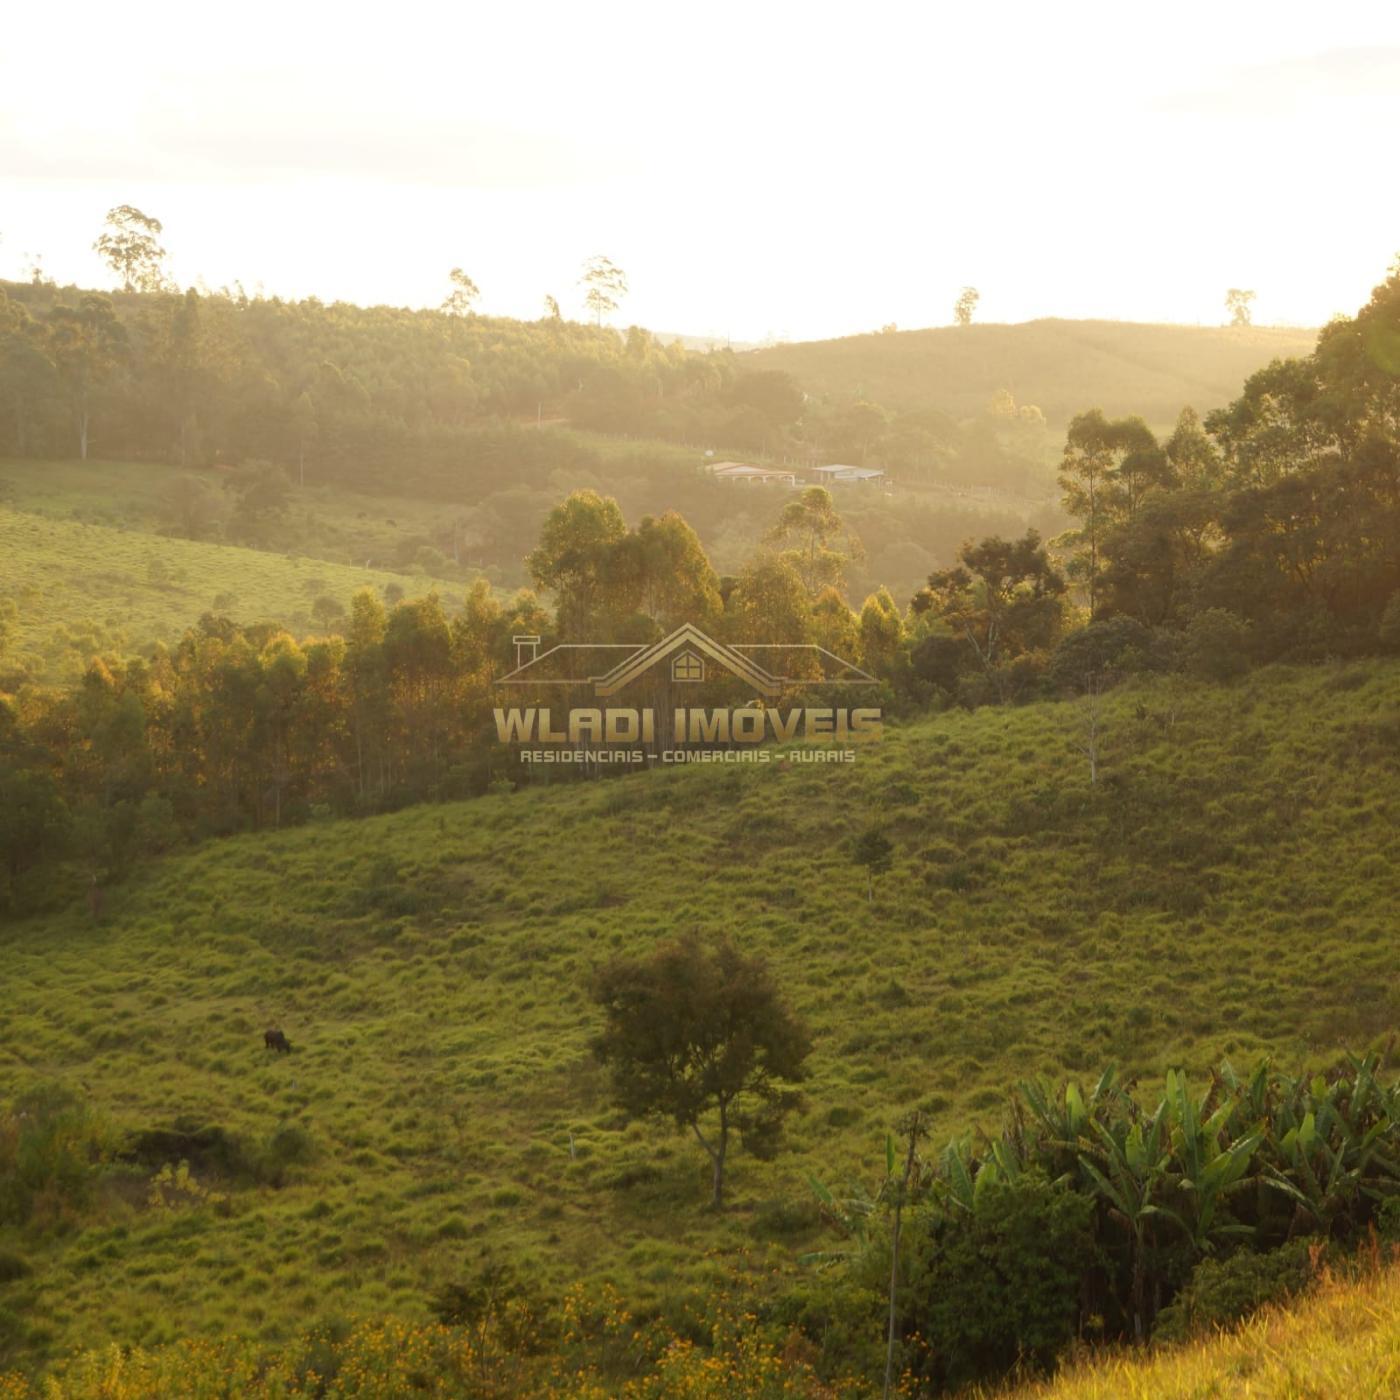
point(385, 398)
point(388, 397)
point(245, 727)
point(1269, 531)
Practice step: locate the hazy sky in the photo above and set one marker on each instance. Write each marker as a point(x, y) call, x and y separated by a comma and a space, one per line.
point(763, 168)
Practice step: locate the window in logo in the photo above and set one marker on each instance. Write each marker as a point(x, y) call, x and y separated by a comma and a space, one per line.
point(687, 667)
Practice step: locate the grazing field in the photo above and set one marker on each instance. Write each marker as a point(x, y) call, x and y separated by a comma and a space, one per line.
point(1226, 889)
point(83, 590)
point(326, 522)
point(1063, 367)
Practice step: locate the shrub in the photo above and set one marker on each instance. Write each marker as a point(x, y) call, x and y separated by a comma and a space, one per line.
point(1216, 645)
point(1222, 1291)
point(1109, 646)
point(842, 1315)
point(50, 1143)
point(988, 1288)
point(1390, 625)
point(289, 1146)
point(783, 1219)
point(211, 1151)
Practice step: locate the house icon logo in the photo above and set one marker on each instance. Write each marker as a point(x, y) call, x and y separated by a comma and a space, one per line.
point(689, 656)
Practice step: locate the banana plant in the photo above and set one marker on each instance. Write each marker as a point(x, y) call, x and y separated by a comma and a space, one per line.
point(1335, 1142)
point(852, 1214)
point(1210, 1166)
point(959, 1181)
point(1129, 1167)
point(1061, 1122)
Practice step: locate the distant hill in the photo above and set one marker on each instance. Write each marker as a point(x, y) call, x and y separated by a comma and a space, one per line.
point(1063, 367)
point(703, 342)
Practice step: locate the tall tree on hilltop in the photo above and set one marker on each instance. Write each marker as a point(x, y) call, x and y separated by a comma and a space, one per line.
point(1237, 303)
point(605, 284)
point(464, 293)
point(965, 305)
point(130, 246)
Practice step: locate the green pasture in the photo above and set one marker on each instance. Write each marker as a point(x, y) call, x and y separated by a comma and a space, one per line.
point(82, 590)
point(1230, 887)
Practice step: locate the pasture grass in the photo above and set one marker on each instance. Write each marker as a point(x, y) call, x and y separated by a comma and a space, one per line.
point(1231, 887)
point(83, 590)
point(1341, 1339)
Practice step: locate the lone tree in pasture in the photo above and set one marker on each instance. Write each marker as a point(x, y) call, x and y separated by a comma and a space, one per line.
point(965, 305)
point(874, 851)
point(464, 293)
point(1237, 303)
point(551, 308)
point(701, 1037)
point(129, 246)
point(605, 285)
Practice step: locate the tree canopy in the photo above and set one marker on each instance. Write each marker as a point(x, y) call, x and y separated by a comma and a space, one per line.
point(702, 1038)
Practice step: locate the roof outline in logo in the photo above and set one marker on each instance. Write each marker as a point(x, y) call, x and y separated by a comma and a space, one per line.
point(611, 666)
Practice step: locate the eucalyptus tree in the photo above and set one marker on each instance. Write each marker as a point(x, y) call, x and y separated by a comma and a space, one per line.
point(604, 284)
point(1237, 303)
point(130, 246)
point(85, 343)
point(464, 293)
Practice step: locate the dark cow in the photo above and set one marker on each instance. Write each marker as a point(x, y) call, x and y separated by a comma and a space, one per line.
point(276, 1040)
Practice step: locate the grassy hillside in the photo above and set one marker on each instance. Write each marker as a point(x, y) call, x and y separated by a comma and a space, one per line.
point(86, 553)
point(1063, 367)
point(336, 524)
point(1229, 888)
point(1342, 1339)
point(84, 590)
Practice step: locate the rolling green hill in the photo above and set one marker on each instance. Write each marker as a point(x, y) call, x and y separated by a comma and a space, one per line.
point(1063, 367)
point(87, 556)
point(1228, 888)
point(85, 590)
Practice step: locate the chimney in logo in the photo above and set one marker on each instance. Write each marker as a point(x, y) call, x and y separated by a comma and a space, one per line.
point(525, 650)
